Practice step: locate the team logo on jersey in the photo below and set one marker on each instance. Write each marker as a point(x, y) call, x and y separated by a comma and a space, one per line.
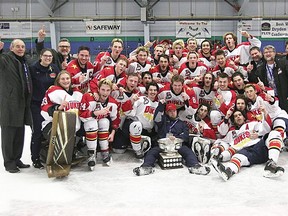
point(168, 95)
point(202, 93)
point(121, 96)
point(138, 67)
point(98, 107)
point(109, 61)
point(187, 73)
point(53, 75)
point(189, 117)
point(226, 52)
point(146, 101)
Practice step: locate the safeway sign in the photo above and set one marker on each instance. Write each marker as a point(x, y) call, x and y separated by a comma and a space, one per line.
point(103, 27)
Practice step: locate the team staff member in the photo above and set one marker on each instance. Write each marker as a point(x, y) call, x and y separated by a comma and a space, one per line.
point(15, 98)
point(62, 56)
point(43, 74)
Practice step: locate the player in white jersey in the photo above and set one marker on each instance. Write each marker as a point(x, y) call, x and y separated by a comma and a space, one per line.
point(192, 68)
point(109, 58)
point(205, 54)
point(177, 57)
point(278, 116)
point(139, 112)
point(239, 53)
point(224, 100)
point(225, 65)
point(139, 63)
point(63, 97)
point(101, 120)
point(162, 73)
point(205, 92)
point(250, 144)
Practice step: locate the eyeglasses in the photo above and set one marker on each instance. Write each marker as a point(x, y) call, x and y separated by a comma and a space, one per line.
point(64, 47)
point(47, 56)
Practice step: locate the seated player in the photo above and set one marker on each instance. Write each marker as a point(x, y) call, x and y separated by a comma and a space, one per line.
point(101, 120)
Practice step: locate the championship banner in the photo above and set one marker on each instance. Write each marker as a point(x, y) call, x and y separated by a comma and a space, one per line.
point(15, 30)
point(103, 27)
point(195, 29)
point(274, 29)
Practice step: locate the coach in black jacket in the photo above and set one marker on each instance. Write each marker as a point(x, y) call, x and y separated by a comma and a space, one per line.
point(273, 66)
point(15, 97)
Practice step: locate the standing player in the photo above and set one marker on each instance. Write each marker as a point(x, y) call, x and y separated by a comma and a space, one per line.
point(239, 53)
point(109, 58)
point(81, 69)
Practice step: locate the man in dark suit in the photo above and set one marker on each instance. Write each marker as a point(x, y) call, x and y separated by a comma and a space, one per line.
point(15, 97)
point(274, 74)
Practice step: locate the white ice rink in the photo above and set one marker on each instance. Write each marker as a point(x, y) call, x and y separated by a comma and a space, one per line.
point(116, 191)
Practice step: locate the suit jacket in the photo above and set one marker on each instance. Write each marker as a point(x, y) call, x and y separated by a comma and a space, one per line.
point(14, 97)
point(280, 74)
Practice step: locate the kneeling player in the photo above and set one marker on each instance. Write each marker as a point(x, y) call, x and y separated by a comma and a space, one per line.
point(97, 115)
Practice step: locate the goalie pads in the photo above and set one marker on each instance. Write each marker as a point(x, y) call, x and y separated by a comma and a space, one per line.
point(201, 147)
point(61, 145)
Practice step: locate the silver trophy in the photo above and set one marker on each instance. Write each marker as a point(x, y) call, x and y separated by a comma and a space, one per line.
point(170, 158)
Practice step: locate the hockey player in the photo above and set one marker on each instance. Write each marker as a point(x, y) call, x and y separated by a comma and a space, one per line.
point(192, 69)
point(81, 69)
point(99, 116)
point(139, 113)
point(179, 94)
point(177, 57)
point(226, 65)
point(239, 53)
point(250, 144)
point(205, 54)
point(146, 78)
point(126, 91)
point(113, 73)
point(278, 116)
point(169, 125)
point(224, 100)
point(162, 73)
point(63, 97)
point(109, 58)
point(139, 63)
point(205, 92)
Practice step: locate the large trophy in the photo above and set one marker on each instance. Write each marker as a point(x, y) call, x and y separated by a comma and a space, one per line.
point(169, 157)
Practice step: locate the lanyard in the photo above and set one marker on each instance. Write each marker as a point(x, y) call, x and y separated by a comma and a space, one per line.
point(172, 125)
point(269, 69)
point(27, 78)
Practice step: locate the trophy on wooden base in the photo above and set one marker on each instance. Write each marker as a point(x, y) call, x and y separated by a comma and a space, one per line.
point(170, 158)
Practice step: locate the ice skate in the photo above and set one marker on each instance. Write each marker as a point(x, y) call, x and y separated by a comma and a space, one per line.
point(199, 169)
point(106, 158)
point(91, 160)
point(139, 154)
point(271, 170)
point(140, 171)
point(223, 172)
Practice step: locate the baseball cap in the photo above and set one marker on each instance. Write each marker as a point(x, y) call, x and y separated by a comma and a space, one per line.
point(170, 106)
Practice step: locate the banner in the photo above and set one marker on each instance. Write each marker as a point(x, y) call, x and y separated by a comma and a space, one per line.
point(195, 29)
point(103, 27)
point(15, 30)
point(274, 29)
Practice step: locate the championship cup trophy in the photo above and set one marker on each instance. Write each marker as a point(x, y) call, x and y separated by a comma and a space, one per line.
point(169, 157)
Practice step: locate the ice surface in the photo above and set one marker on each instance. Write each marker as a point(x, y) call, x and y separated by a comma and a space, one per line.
point(116, 191)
